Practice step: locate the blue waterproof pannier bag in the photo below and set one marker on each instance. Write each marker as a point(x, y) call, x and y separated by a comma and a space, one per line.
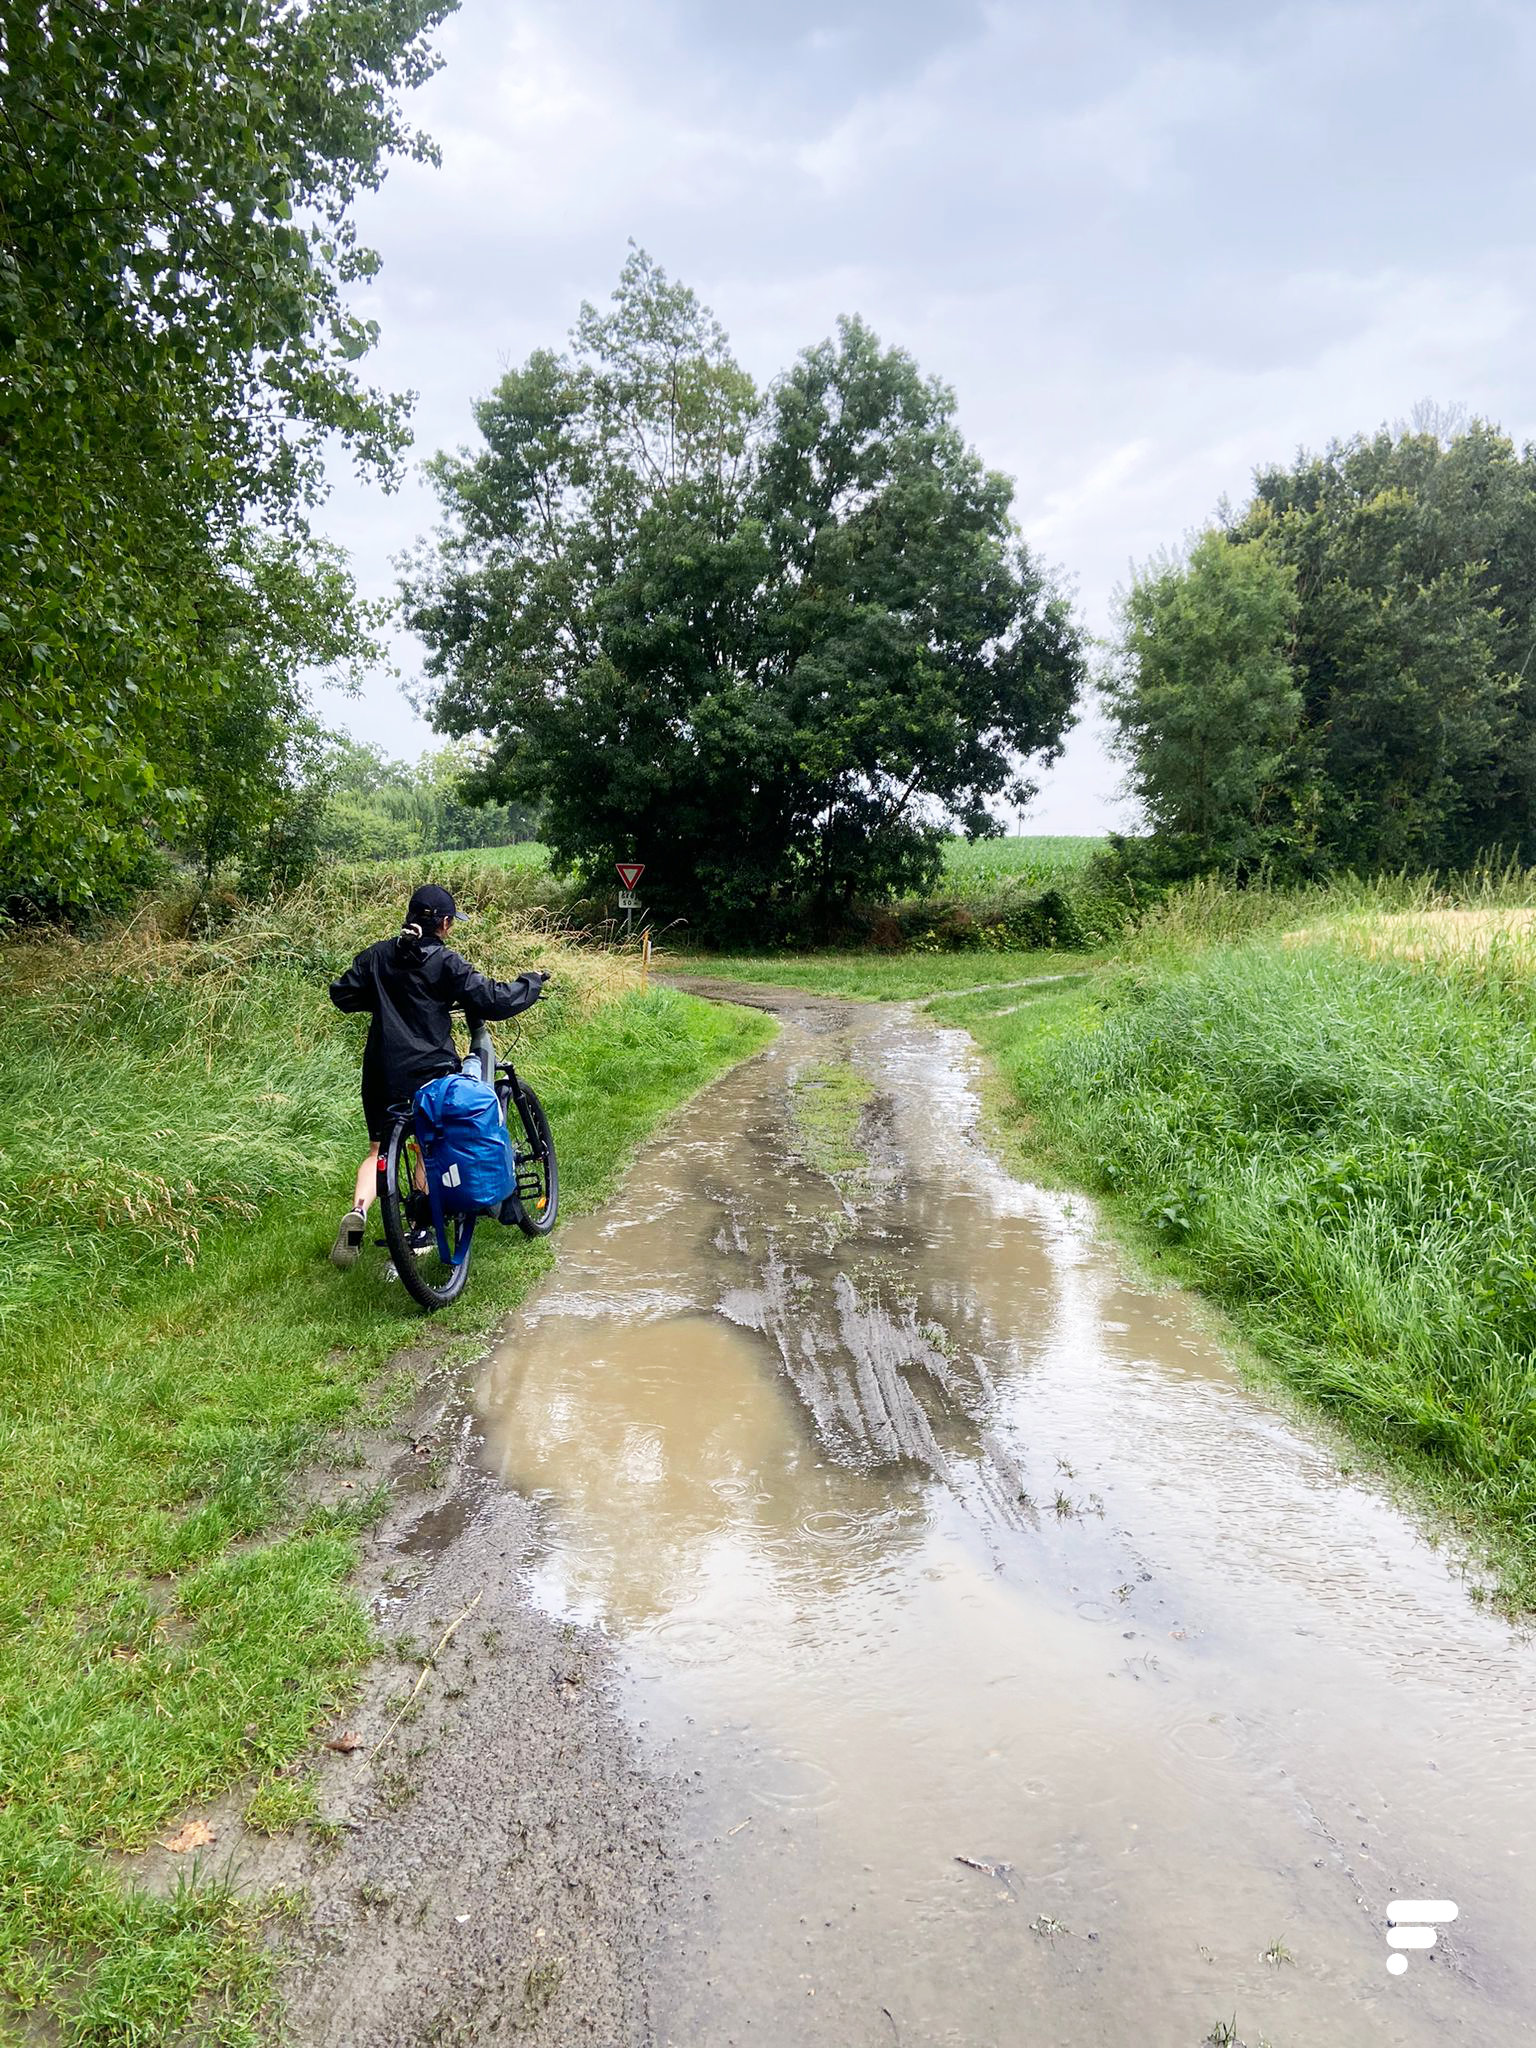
point(465, 1149)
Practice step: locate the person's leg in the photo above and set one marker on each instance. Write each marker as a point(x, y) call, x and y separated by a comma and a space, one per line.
point(349, 1238)
point(367, 1182)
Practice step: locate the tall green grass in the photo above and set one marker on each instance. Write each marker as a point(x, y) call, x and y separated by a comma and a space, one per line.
point(1037, 860)
point(159, 1087)
point(1339, 1148)
point(178, 1135)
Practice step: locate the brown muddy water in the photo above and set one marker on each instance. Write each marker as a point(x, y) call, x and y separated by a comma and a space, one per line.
point(1038, 1683)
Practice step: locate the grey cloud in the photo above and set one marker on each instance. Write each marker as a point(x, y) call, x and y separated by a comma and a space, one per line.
point(1151, 245)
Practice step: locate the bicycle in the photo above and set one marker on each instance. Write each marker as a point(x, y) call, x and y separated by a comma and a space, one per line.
point(532, 1205)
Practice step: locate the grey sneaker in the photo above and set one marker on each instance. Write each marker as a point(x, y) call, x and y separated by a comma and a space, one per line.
point(349, 1239)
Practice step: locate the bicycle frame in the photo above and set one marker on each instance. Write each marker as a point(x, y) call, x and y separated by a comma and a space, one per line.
point(482, 1049)
point(532, 1205)
point(480, 1045)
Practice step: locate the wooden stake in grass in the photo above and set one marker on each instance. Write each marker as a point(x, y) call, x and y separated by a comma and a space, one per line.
point(430, 1665)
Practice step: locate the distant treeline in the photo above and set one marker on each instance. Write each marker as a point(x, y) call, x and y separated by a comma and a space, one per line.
point(374, 808)
point(1342, 674)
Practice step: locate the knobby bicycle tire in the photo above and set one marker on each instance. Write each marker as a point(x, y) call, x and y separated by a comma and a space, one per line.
point(538, 1171)
point(398, 1198)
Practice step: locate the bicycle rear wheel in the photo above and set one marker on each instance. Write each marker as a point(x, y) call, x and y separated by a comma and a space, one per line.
point(407, 1215)
point(538, 1172)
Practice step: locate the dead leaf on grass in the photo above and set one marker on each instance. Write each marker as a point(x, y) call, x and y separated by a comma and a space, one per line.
point(195, 1835)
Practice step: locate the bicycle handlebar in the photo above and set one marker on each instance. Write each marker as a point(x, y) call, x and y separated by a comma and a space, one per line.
point(476, 1022)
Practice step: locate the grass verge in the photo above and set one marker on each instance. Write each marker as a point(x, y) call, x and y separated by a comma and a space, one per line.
point(179, 1134)
point(1338, 1145)
point(877, 977)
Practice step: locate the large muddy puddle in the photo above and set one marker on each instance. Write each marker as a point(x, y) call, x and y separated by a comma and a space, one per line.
point(1038, 1683)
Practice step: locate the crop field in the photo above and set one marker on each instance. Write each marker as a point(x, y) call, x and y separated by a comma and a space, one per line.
point(1040, 859)
point(527, 853)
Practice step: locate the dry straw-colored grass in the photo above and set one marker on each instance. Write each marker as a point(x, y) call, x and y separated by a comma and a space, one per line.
point(189, 940)
point(1460, 938)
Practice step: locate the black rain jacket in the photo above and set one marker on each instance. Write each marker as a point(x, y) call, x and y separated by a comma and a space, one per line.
point(411, 990)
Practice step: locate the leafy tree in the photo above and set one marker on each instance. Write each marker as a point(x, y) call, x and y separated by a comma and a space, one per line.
point(1206, 700)
point(375, 808)
point(1410, 644)
point(365, 793)
point(770, 647)
point(252, 746)
point(441, 784)
point(1414, 564)
point(175, 266)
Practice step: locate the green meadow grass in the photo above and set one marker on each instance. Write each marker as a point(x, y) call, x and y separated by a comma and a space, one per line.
point(1339, 1149)
point(528, 853)
point(178, 1136)
point(874, 977)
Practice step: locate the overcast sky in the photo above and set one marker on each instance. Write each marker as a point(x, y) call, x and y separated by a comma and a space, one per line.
point(1151, 245)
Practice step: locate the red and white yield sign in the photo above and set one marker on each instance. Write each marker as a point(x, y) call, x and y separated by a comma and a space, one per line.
point(630, 871)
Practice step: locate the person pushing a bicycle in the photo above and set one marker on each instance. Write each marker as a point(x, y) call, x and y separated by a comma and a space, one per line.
point(410, 985)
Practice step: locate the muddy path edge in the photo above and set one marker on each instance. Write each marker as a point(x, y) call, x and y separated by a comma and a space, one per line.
point(1477, 1551)
point(387, 1921)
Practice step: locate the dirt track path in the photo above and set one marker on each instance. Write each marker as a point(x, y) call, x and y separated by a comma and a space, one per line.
point(1025, 1679)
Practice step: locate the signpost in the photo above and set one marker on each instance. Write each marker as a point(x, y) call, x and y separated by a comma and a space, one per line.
point(630, 872)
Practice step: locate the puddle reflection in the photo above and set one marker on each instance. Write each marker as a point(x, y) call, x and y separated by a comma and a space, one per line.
point(936, 1550)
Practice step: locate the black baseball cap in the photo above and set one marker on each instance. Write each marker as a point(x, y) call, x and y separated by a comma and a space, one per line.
point(430, 906)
